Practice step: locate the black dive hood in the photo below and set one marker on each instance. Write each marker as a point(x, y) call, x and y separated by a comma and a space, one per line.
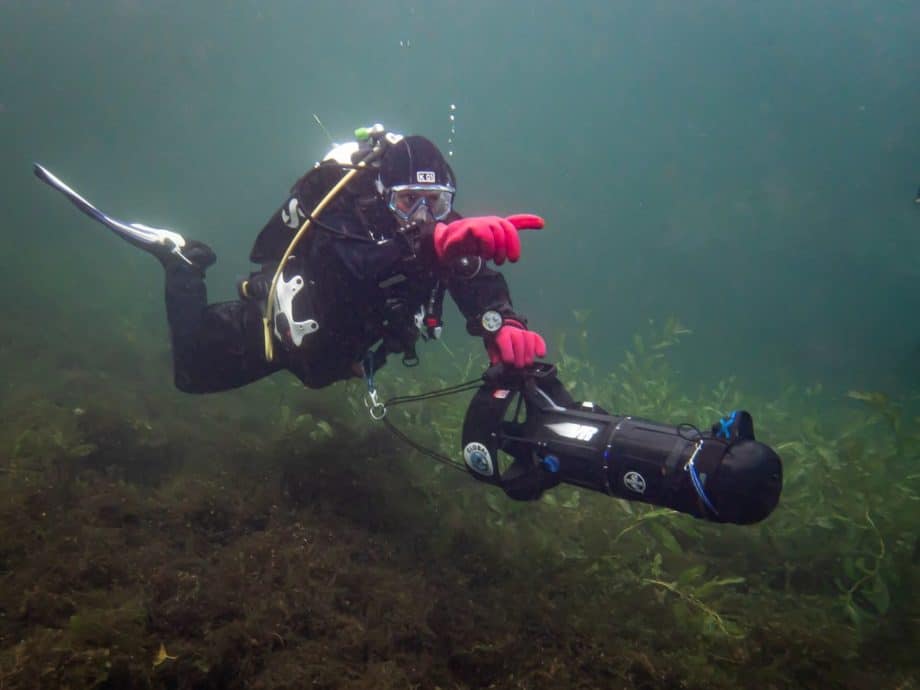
point(721, 475)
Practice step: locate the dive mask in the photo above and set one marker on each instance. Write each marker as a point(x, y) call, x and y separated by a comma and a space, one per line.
point(407, 199)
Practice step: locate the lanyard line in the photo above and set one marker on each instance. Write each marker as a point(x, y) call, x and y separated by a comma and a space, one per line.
point(402, 399)
point(459, 388)
point(433, 454)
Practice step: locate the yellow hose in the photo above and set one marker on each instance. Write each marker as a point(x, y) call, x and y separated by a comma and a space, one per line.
point(269, 305)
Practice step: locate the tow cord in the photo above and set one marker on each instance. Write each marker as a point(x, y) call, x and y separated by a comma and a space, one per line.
point(378, 411)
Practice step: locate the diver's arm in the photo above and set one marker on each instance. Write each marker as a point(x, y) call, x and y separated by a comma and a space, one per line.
point(477, 289)
point(485, 302)
point(474, 287)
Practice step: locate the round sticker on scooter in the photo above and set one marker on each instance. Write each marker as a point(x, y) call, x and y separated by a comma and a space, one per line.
point(478, 459)
point(634, 482)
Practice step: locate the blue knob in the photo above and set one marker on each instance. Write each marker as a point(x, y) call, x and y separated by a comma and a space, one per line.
point(551, 463)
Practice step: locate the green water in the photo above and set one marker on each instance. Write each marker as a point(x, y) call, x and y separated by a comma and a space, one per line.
point(749, 168)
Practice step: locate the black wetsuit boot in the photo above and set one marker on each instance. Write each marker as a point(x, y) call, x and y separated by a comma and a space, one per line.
point(216, 347)
point(186, 301)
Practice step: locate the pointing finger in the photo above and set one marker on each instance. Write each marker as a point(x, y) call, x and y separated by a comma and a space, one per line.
point(526, 221)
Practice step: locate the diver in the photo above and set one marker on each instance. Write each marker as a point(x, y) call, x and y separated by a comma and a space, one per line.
point(354, 267)
point(367, 280)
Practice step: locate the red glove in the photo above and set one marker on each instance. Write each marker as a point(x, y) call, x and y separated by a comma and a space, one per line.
point(514, 345)
point(490, 237)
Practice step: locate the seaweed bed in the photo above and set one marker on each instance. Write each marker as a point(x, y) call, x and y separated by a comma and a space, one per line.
point(260, 539)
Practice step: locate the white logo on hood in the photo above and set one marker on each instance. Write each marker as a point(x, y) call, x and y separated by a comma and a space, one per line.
point(425, 177)
point(292, 215)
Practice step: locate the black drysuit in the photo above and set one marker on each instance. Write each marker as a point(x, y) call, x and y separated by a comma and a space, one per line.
point(366, 283)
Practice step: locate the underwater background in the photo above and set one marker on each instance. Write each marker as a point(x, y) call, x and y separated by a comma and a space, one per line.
point(729, 195)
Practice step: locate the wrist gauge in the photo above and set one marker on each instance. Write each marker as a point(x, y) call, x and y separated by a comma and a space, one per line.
point(491, 321)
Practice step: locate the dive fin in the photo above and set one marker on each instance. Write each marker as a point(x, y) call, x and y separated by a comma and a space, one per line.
point(157, 241)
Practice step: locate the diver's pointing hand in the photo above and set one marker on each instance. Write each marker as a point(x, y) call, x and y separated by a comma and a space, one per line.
point(490, 237)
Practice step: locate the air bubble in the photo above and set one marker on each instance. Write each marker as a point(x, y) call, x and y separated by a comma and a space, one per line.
point(453, 129)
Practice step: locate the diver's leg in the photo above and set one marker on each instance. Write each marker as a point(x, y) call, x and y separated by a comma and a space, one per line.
point(215, 347)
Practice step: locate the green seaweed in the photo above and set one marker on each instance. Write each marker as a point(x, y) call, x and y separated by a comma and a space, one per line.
point(273, 538)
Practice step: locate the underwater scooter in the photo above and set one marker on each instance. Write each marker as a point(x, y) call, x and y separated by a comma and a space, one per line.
point(721, 475)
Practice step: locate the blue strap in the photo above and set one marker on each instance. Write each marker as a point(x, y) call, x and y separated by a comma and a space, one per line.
point(372, 402)
point(700, 491)
point(697, 482)
point(369, 371)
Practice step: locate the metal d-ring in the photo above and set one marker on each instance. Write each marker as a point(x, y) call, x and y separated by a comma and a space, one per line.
point(375, 408)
